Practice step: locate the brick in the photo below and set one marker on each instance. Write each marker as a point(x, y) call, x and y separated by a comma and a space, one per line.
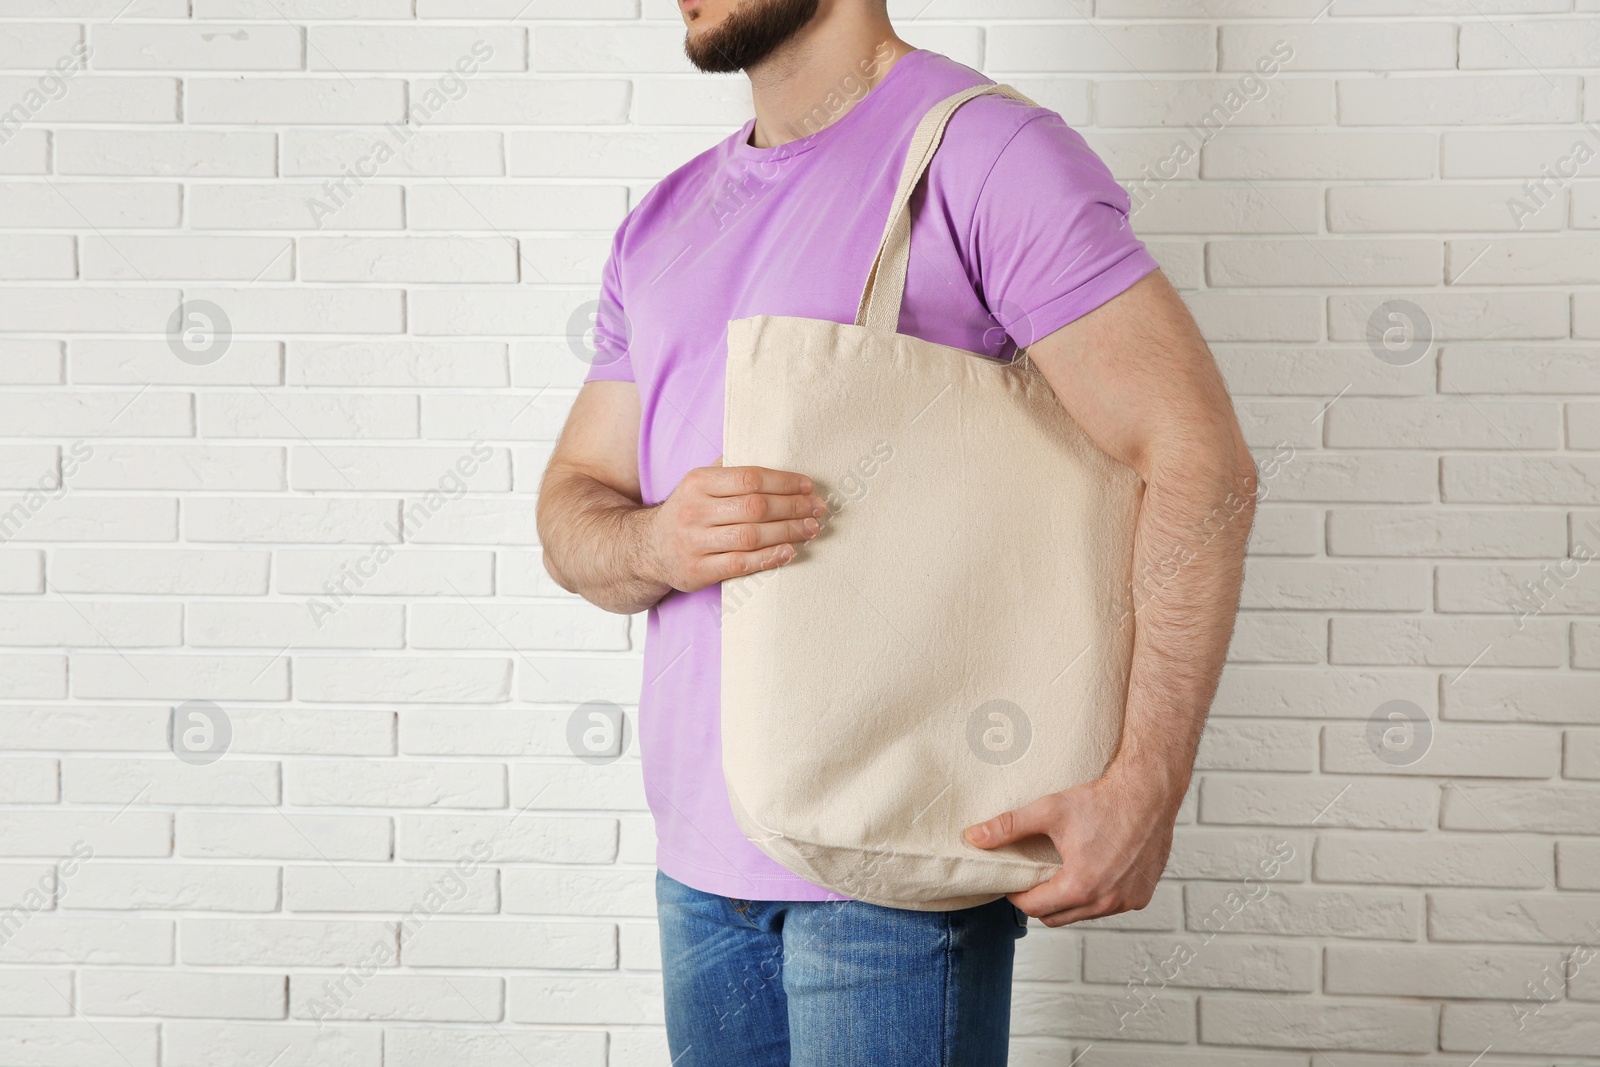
point(1532, 45)
point(173, 887)
point(427, 731)
point(1255, 746)
point(243, 835)
point(30, 362)
point(182, 467)
point(494, 206)
point(553, 627)
point(1578, 867)
point(361, 572)
point(294, 101)
point(1459, 973)
point(303, 520)
point(1325, 1024)
point(1212, 103)
point(1431, 207)
point(1332, 586)
point(1453, 751)
point(1487, 696)
point(1285, 800)
point(1264, 637)
point(1047, 1012)
point(1231, 855)
point(293, 206)
point(1123, 49)
point(1476, 100)
point(459, 48)
point(1153, 963)
point(199, 1044)
point(566, 891)
point(408, 259)
point(1558, 1028)
point(1448, 860)
point(113, 941)
point(413, 892)
point(130, 46)
point(1521, 480)
point(572, 999)
point(1452, 532)
point(103, 99)
point(1502, 808)
point(1461, 316)
point(1524, 261)
point(377, 783)
point(179, 677)
point(133, 362)
point(337, 154)
point(511, 945)
point(1447, 642)
point(179, 257)
point(87, 624)
point(1343, 262)
point(298, 416)
point(1286, 531)
point(40, 1044)
point(1319, 372)
point(288, 943)
point(21, 571)
point(1350, 477)
point(184, 996)
point(33, 677)
point(1447, 424)
point(262, 309)
point(618, 786)
point(1303, 912)
point(246, 783)
point(1506, 154)
point(514, 838)
point(169, 572)
point(1558, 587)
point(277, 626)
point(413, 1046)
point(1329, 155)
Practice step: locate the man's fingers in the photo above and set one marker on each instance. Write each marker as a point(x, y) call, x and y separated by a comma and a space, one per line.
point(764, 507)
point(725, 565)
point(1061, 894)
point(750, 536)
point(1035, 818)
point(740, 481)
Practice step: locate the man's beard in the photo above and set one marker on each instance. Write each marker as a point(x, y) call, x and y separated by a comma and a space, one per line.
point(749, 35)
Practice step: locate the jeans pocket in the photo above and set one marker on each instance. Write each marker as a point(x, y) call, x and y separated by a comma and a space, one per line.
point(1022, 920)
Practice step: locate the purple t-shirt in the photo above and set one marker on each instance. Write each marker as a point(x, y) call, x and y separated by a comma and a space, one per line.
point(1018, 229)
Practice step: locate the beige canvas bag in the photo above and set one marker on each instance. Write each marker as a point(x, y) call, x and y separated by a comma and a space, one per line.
point(954, 644)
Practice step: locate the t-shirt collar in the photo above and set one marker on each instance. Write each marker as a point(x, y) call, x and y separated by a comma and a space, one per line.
point(872, 101)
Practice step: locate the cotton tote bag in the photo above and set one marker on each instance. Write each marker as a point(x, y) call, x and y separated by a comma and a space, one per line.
point(956, 642)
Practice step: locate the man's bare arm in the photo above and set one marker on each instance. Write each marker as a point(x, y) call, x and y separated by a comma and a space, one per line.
point(602, 543)
point(1138, 378)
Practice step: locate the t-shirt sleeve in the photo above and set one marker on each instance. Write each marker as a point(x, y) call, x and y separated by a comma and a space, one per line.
point(1051, 235)
point(612, 360)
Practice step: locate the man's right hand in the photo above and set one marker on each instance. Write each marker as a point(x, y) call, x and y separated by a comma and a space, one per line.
point(721, 522)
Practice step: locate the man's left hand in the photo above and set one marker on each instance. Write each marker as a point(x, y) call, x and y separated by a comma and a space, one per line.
point(1114, 835)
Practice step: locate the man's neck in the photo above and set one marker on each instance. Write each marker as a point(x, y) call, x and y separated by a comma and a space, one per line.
point(815, 79)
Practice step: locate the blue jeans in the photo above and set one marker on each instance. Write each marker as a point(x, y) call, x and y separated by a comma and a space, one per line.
point(773, 983)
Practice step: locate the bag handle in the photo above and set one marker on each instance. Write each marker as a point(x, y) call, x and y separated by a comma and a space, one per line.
point(886, 282)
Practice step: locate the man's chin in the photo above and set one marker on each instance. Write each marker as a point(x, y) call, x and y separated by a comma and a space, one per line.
point(746, 35)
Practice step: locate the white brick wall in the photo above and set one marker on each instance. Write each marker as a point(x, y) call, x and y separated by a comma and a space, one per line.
point(399, 863)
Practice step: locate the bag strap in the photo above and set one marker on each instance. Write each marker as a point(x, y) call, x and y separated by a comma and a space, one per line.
point(886, 282)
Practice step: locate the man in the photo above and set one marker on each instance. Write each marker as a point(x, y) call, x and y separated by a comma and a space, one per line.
point(1021, 241)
